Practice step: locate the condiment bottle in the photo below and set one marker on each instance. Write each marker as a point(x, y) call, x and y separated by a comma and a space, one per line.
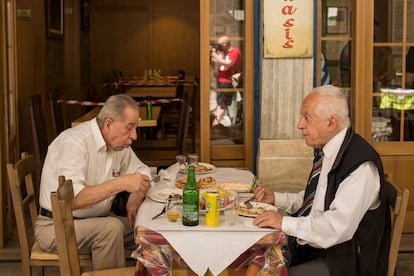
point(149, 108)
point(191, 199)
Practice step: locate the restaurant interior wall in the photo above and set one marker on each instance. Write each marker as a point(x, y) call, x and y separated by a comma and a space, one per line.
point(63, 63)
point(77, 64)
point(131, 36)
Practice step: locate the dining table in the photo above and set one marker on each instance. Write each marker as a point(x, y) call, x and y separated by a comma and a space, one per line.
point(202, 248)
point(142, 122)
point(162, 87)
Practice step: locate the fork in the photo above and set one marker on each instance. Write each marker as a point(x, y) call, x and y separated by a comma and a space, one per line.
point(247, 202)
point(163, 209)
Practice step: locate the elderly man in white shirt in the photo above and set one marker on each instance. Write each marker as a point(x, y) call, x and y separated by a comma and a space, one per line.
point(336, 235)
point(97, 157)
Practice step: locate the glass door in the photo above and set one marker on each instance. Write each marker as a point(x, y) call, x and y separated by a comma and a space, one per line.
point(393, 71)
point(226, 83)
point(335, 47)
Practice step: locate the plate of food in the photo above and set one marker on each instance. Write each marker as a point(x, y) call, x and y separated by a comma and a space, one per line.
point(163, 194)
point(201, 168)
point(237, 187)
point(203, 183)
point(254, 209)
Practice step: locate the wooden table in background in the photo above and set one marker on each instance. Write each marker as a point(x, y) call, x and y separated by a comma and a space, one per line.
point(152, 91)
point(143, 122)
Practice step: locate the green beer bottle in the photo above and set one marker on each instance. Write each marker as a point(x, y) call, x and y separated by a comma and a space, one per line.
point(149, 108)
point(191, 198)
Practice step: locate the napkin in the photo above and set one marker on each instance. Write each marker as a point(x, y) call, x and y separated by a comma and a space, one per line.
point(169, 173)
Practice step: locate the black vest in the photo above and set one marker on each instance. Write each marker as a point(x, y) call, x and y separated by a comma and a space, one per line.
point(367, 252)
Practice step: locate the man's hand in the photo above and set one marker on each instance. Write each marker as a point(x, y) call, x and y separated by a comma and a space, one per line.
point(269, 219)
point(136, 183)
point(264, 194)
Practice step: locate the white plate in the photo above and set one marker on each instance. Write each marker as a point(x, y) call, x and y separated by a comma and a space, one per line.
point(210, 168)
point(237, 187)
point(258, 208)
point(163, 194)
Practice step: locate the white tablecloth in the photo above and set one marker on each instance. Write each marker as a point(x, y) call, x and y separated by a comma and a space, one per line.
point(202, 247)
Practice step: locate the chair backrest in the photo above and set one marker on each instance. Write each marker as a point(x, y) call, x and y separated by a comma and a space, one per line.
point(69, 263)
point(179, 93)
point(195, 112)
point(162, 153)
point(56, 113)
point(185, 112)
point(398, 200)
point(39, 132)
point(21, 176)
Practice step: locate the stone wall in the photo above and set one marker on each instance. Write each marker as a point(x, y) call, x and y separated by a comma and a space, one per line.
point(283, 160)
point(284, 165)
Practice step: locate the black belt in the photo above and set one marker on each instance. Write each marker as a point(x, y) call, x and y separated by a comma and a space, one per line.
point(46, 213)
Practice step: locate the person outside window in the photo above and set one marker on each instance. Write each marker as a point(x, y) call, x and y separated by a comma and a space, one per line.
point(227, 60)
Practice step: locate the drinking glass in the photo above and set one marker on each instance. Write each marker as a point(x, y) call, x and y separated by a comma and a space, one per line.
point(173, 208)
point(181, 161)
point(193, 159)
point(232, 212)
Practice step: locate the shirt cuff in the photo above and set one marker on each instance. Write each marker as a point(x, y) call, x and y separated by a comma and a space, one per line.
point(281, 201)
point(289, 225)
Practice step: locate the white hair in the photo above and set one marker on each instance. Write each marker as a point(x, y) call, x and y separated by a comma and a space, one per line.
point(332, 101)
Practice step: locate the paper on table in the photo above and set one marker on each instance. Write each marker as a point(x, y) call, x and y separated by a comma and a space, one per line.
point(170, 173)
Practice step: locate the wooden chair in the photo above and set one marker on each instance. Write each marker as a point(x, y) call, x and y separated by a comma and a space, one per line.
point(398, 200)
point(39, 133)
point(69, 262)
point(20, 177)
point(170, 117)
point(161, 153)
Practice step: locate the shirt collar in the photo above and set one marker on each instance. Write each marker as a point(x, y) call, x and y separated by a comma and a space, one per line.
point(331, 149)
point(97, 135)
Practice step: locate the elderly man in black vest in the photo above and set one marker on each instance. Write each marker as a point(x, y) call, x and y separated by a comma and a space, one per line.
point(340, 225)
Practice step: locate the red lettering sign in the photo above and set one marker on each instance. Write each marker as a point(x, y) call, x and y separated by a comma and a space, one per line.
point(289, 24)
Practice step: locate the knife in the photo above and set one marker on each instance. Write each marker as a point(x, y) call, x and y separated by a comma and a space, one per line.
point(163, 209)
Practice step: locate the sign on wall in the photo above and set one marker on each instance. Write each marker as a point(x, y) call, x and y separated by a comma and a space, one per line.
point(288, 28)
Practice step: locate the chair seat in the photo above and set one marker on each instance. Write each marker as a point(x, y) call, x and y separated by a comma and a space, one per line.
point(123, 271)
point(39, 254)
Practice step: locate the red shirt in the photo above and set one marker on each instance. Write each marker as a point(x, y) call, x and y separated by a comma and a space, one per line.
point(225, 73)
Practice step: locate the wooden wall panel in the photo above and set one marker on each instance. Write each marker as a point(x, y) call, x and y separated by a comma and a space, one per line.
point(130, 37)
point(119, 37)
point(175, 38)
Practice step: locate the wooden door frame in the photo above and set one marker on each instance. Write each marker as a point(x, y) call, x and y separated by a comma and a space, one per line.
point(247, 147)
point(9, 147)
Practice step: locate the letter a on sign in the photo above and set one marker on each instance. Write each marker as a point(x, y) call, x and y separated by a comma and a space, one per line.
point(288, 28)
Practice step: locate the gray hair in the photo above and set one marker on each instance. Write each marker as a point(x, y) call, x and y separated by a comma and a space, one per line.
point(332, 101)
point(114, 108)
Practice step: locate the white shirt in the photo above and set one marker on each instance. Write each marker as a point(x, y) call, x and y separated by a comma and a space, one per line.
point(357, 193)
point(80, 154)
